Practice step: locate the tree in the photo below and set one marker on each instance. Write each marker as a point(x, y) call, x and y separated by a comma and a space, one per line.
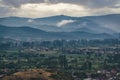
point(63, 61)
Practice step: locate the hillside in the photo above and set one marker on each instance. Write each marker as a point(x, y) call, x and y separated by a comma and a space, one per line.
point(37, 74)
point(28, 33)
point(60, 23)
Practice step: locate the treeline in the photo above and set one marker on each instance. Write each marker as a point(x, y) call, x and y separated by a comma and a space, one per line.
point(26, 60)
point(7, 44)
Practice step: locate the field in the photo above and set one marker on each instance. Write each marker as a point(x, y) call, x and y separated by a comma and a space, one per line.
point(59, 62)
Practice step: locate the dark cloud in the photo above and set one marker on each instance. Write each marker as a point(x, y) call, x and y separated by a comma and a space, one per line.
point(93, 3)
point(3, 11)
point(17, 3)
point(90, 7)
point(86, 3)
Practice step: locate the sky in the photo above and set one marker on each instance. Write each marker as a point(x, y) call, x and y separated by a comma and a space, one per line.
point(44, 8)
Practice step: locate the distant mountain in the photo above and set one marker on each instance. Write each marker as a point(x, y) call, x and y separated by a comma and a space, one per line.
point(62, 23)
point(28, 33)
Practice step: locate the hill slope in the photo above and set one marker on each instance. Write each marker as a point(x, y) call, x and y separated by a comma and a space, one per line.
point(95, 24)
point(28, 33)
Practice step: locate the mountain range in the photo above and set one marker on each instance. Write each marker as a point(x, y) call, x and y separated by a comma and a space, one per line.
point(61, 27)
point(28, 33)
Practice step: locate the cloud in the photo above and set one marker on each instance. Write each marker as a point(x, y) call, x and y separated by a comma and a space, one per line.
point(46, 1)
point(93, 3)
point(30, 20)
point(64, 22)
point(5, 10)
point(18, 3)
point(43, 8)
point(87, 3)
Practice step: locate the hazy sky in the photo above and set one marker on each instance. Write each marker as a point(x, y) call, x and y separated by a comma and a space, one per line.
point(43, 8)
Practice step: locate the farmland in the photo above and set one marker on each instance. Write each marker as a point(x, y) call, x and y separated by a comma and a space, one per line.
point(59, 60)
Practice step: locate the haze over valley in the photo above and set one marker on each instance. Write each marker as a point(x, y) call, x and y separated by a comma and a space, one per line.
point(61, 27)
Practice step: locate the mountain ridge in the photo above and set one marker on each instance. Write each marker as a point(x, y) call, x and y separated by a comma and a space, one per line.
point(28, 33)
point(100, 24)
